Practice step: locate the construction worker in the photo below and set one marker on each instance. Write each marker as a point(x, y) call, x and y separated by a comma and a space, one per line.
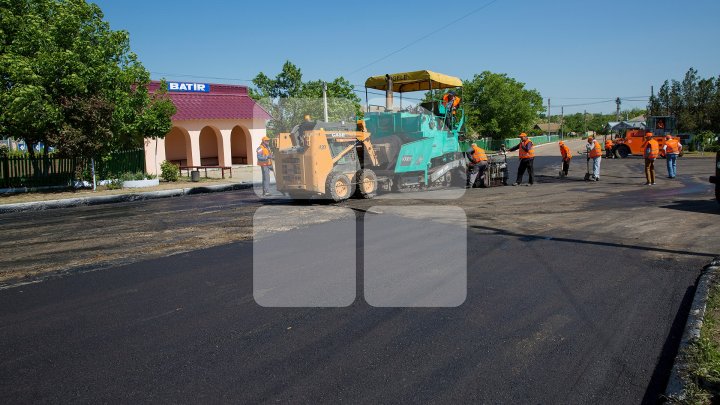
point(651, 150)
point(478, 164)
point(526, 153)
point(566, 157)
point(609, 149)
point(671, 149)
point(594, 152)
point(264, 159)
point(451, 103)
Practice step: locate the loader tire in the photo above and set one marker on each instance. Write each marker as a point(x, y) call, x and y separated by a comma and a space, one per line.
point(623, 151)
point(367, 184)
point(338, 187)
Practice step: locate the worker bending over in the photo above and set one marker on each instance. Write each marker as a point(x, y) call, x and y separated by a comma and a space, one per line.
point(651, 150)
point(478, 164)
point(594, 151)
point(609, 149)
point(672, 149)
point(526, 153)
point(566, 157)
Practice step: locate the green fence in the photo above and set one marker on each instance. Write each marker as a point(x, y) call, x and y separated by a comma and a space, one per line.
point(24, 171)
point(494, 144)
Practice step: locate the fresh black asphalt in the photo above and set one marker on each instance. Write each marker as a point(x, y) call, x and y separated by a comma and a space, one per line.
point(546, 319)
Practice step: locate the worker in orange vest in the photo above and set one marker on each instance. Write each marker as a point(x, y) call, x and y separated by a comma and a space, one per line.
point(594, 152)
point(526, 153)
point(264, 160)
point(566, 157)
point(476, 168)
point(672, 149)
point(451, 103)
point(651, 150)
point(609, 149)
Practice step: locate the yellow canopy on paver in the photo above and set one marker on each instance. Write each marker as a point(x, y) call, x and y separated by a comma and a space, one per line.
point(421, 80)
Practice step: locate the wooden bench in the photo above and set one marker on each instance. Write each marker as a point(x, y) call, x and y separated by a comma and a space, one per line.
point(222, 168)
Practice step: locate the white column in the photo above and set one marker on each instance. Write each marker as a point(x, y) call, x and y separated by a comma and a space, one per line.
point(225, 152)
point(194, 149)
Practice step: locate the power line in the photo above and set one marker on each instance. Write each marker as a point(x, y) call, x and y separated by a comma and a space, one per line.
point(423, 37)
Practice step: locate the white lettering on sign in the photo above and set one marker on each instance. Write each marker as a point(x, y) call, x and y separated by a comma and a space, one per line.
point(189, 87)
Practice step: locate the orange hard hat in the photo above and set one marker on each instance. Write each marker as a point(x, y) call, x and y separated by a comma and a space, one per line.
point(590, 137)
point(523, 135)
point(265, 138)
point(561, 143)
point(648, 135)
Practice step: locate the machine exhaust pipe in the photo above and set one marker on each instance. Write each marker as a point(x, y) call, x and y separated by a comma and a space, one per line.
point(389, 93)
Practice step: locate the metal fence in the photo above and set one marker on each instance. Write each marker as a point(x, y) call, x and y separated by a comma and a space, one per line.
point(24, 171)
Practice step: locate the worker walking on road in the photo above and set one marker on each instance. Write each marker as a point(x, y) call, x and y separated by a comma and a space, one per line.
point(594, 151)
point(478, 164)
point(264, 159)
point(672, 149)
point(526, 151)
point(651, 150)
point(566, 157)
point(609, 149)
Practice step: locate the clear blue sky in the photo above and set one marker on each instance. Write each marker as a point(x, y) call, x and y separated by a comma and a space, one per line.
point(571, 51)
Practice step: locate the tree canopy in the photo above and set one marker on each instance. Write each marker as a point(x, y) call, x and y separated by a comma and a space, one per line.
point(69, 81)
point(288, 98)
point(695, 102)
point(499, 106)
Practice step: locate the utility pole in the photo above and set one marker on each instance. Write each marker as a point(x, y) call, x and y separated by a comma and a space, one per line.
point(548, 117)
point(585, 121)
point(325, 105)
point(562, 120)
point(617, 114)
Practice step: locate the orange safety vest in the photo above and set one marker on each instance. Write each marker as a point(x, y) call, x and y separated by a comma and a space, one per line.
point(608, 144)
point(456, 100)
point(651, 149)
point(526, 154)
point(596, 151)
point(263, 155)
point(565, 151)
point(673, 146)
point(478, 154)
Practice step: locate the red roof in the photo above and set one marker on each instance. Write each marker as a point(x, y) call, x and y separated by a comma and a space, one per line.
point(223, 101)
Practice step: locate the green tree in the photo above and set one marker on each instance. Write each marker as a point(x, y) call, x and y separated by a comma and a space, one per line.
point(499, 106)
point(68, 80)
point(287, 98)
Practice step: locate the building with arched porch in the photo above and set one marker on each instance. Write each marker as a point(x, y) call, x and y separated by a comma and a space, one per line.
point(215, 124)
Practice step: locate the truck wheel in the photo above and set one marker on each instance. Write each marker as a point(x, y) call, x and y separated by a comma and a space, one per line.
point(623, 151)
point(338, 187)
point(367, 184)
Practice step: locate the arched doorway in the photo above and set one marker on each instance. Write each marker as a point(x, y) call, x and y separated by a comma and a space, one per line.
point(210, 146)
point(177, 147)
point(240, 145)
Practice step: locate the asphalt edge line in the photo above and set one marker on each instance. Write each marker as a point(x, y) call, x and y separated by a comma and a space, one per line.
point(676, 389)
point(109, 199)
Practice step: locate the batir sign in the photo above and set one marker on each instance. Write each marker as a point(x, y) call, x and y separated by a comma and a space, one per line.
point(189, 87)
